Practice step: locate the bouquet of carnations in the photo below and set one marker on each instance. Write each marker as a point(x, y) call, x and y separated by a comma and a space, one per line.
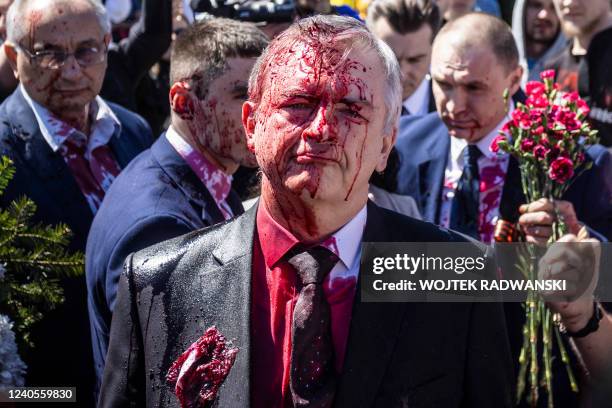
point(548, 135)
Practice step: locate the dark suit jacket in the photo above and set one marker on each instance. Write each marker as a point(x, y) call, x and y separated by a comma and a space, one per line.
point(44, 177)
point(398, 354)
point(424, 143)
point(157, 197)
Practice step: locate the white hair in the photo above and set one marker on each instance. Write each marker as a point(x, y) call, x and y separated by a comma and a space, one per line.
point(351, 32)
point(16, 30)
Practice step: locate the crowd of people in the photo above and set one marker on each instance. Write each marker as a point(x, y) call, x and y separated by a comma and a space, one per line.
point(223, 173)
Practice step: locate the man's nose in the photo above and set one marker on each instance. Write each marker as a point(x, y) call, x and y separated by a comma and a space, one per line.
point(456, 103)
point(320, 128)
point(71, 68)
point(543, 14)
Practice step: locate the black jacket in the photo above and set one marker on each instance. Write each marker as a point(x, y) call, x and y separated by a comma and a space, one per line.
point(398, 354)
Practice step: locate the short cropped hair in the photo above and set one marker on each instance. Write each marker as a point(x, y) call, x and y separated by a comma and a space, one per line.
point(476, 29)
point(332, 32)
point(405, 16)
point(16, 30)
point(200, 52)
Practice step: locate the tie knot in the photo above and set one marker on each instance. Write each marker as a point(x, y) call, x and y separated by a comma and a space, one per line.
point(472, 154)
point(312, 264)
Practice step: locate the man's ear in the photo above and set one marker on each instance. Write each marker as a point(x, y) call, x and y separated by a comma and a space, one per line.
point(181, 100)
point(248, 122)
point(387, 144)
point(107, 39)
point(11, 56)
point(516, 77)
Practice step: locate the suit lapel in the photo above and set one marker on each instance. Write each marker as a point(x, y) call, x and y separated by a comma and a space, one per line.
point(233, 303)
point(431, 179)
point(181, 174)
point(48, 166)
point(372, 337)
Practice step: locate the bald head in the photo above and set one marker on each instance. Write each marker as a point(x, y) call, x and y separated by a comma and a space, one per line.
point(23, 15)
point(475, 30)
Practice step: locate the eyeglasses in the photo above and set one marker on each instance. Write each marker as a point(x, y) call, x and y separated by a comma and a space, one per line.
point(85, 56)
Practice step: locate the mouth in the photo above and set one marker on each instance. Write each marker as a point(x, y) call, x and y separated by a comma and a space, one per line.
point(310, 158)
point(69, 92)
point(461, 125)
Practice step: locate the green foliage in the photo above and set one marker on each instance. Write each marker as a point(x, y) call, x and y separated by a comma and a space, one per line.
point(35, 259)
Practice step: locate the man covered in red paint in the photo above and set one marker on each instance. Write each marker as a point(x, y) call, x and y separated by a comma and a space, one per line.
point(68, 145)
point(183, 183)
point(281, 282)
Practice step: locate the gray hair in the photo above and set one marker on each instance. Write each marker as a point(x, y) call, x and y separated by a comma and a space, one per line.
point(344, 31)
point(16, 30)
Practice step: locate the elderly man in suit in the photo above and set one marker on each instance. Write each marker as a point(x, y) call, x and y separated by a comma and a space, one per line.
point(470, 71)
point(67, 145)
point(282, 280)
point(183, 183)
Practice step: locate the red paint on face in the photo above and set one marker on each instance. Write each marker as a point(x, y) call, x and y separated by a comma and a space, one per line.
point(318, 101)
point(34, 18)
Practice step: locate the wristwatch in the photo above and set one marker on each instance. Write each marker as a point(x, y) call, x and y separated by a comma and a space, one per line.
point(591, 326)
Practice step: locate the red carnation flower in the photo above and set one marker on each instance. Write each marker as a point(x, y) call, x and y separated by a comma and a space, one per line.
point(527, 145)
point(540, 151)
point(548, 74)
point(561, 170)
point(199, 372)
point(495, 143)
point(535, 88)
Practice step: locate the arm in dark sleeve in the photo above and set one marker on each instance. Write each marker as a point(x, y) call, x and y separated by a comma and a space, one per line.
point(123, 383)
point(489, 377)
point(147, 42)
point(146, 232)
point(597, 214)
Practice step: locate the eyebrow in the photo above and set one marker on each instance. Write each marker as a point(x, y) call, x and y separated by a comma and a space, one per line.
point(45, 46)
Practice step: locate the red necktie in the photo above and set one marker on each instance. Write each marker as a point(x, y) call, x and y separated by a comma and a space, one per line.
point(93, 177)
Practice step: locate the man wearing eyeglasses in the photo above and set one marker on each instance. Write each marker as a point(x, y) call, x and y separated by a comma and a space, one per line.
point(67, 145)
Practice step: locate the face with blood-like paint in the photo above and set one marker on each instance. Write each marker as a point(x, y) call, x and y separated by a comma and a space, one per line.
point(57, 26)
point(318, 131)
point(214, 121)
point(468, 86)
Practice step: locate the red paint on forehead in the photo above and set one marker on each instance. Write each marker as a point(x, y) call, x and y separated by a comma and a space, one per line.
point(33, 20)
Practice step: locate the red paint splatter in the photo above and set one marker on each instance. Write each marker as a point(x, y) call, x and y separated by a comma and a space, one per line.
point(199, 372)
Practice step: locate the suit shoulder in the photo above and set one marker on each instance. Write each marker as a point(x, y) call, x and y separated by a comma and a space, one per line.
point(403, 228)
point(153, 265)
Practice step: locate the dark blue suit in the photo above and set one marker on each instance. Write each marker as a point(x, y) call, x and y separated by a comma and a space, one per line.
point(423, 145)
point(62, 355)
point(157, 197)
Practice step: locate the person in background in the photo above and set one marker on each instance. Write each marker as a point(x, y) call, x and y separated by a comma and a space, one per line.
point(409, 27)
point(68, 145)
point(306, 8)
point(8, 82)
point(581, 21)
point(441, 151)
point(538, 35)
point(183, 183)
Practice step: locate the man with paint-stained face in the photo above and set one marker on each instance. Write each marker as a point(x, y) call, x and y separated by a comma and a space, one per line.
point(67, 145)
point(281, 280)
point(183, 183)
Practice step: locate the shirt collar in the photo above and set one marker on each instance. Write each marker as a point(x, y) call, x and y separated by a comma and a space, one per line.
point(56, 131)
point(276, 241)
point(484, 144)
point(418, 102)
point(218, 183)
